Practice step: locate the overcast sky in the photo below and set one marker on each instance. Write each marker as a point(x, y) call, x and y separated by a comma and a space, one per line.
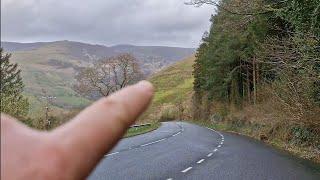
point(108, 22)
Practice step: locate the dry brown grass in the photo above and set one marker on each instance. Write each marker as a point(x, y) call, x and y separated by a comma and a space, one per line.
point(173, 92)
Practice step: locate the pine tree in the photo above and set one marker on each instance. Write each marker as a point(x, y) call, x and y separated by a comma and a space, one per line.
point(12, 100)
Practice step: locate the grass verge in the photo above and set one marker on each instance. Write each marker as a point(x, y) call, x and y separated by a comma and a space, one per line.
point(141, 130)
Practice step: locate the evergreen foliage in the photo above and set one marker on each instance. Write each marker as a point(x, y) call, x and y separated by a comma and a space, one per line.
point(12, 100)
point(245, 52)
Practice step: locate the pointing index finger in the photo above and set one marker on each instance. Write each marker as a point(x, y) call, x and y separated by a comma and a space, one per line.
point(96, 129)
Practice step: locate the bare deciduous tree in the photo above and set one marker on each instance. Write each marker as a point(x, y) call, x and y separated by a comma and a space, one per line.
point(239, 7)
point(108, 75)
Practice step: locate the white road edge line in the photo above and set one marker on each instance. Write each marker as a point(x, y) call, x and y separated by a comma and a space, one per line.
point(111, 154)
point(176, 134)
point(215, 150)
point(209, 155)
point(169, 179)
point(186, 170)
point(200, 161)
point(219, 146)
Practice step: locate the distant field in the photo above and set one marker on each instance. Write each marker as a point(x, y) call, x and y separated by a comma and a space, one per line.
point(173, 87)
point(55, 83)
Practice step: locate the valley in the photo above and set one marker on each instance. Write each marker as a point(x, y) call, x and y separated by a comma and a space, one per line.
point(48, 68)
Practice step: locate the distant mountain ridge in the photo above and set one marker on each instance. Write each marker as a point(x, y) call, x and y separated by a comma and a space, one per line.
point(101, 50)
point(51, 66)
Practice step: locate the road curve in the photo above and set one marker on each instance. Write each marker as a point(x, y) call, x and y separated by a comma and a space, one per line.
point(179, 150)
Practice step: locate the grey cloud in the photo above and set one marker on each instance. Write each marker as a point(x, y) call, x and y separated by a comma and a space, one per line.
point(140, 22)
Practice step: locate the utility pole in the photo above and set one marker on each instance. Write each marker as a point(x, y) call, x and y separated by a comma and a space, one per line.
point(48, 99)
point(47, 121)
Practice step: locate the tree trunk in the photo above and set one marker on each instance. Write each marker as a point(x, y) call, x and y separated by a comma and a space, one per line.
point(254, 80)
point(257, 78)
point(248, 85)
point(242, 81)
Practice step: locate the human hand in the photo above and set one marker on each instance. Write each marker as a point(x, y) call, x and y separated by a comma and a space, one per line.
point(74, 149)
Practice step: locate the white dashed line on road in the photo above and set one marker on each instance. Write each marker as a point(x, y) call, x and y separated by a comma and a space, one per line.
point(112, 154)
point(147, 144)
point(209, 155)
point(186, 170)
point(153, 142)
point(161, 140)
point(176, 134)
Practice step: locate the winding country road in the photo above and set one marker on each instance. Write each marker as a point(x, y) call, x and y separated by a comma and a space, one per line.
point(179, 150)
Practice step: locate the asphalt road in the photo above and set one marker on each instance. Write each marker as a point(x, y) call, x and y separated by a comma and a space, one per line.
point(179, 150)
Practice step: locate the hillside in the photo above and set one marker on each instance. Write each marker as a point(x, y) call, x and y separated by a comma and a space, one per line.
point(49, 67)
point(173, 91)
point(151, 58)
